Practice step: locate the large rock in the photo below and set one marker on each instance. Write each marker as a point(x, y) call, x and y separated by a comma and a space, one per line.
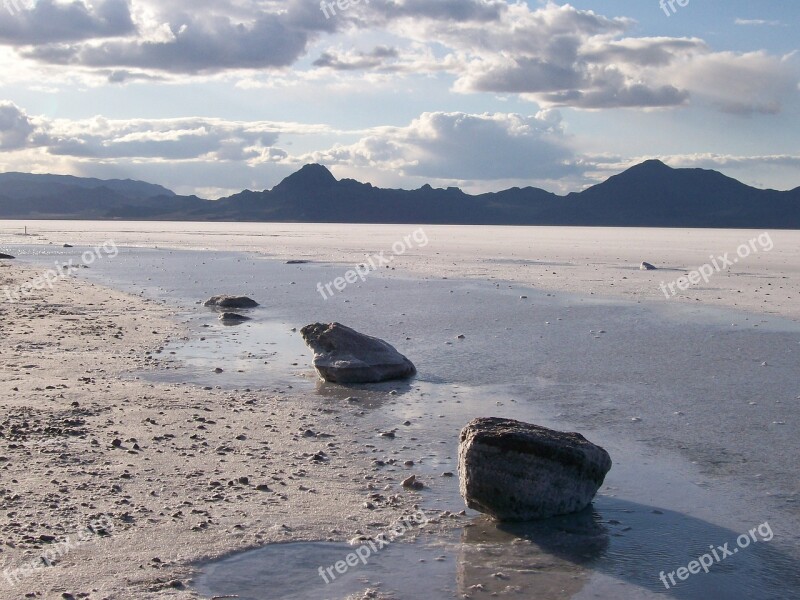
point(646, 266)
point(6, 257)
point(342, 355)
point(224, 301)
point(516, 471)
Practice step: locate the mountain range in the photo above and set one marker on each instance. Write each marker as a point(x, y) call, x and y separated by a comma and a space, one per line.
point(650, 194)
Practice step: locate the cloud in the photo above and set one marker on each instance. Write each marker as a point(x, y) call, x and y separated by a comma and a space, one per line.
point(16, 128)
point(196, 46)
point(447, 11)
point(157, 140)
point(558, 55)
point(742, 84)
point(757, 22)
point(51, 22)
point(553, 54)
point(463, 146)
point(353, 61)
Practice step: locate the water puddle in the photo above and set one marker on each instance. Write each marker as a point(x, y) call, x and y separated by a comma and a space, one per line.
point(260, 353)
point(613, 549)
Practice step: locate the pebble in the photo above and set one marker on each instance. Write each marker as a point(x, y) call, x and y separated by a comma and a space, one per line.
point(411, 483)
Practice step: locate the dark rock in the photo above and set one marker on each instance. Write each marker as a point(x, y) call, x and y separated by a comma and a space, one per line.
point(411, 483)
point(516, 471)
point(224, 301)
point(6, 257)
point(342, 355)
point(297, 262)
point(646, 266)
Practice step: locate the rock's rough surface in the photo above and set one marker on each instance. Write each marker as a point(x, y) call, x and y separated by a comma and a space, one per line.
point(516, 471)
point(225, 301)
point(342, 355)
point(646, 266)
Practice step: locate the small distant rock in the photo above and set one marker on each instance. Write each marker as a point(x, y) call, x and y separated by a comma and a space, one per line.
point(515, 471)
point(67, 245)
point(411, 483)
point(225, 301)
point(646, 266)
point(232, 318)
point(343, 355)
point(297, 262)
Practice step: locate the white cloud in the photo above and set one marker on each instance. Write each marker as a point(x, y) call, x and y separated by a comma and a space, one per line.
point(16, 128)
point(461, 146)
point(757, 22)
point(157, 140)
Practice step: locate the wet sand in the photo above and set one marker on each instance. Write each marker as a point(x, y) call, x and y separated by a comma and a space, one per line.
point(160, 464)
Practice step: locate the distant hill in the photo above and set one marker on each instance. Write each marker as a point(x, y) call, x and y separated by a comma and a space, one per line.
point(650, 194)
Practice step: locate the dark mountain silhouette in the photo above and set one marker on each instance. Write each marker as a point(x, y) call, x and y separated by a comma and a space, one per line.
point(648, 195)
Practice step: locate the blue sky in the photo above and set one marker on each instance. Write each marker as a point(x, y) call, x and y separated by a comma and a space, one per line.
point(214, 96)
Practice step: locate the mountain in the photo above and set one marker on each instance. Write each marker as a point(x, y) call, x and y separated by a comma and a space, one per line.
point(20, 186)
point(650, 194)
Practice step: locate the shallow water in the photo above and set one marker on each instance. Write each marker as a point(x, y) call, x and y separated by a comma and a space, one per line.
point(693, 405)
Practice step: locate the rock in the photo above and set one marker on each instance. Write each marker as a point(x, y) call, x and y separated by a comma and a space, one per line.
point(6, 257)
point(297, 262)
point(516, 471)
point(232, 318)
point(224, 301)
point(646, 266)
point(411, 483)
point(342, 355)
point(67, 245)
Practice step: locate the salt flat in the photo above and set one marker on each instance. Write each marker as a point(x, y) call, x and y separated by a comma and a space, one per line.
point(693, 399)
point(597, 261)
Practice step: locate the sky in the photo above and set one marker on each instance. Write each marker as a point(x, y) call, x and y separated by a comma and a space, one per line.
point(210, 97)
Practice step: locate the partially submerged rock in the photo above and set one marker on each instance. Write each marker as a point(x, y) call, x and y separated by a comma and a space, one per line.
point(224, 301)
point(646, 266)
point(230, 318)
point(342, 355)
point(6, 257)
point(516, 471)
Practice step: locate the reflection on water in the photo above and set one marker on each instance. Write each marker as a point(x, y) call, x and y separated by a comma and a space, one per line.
point(551, 558)
point(614, 544)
